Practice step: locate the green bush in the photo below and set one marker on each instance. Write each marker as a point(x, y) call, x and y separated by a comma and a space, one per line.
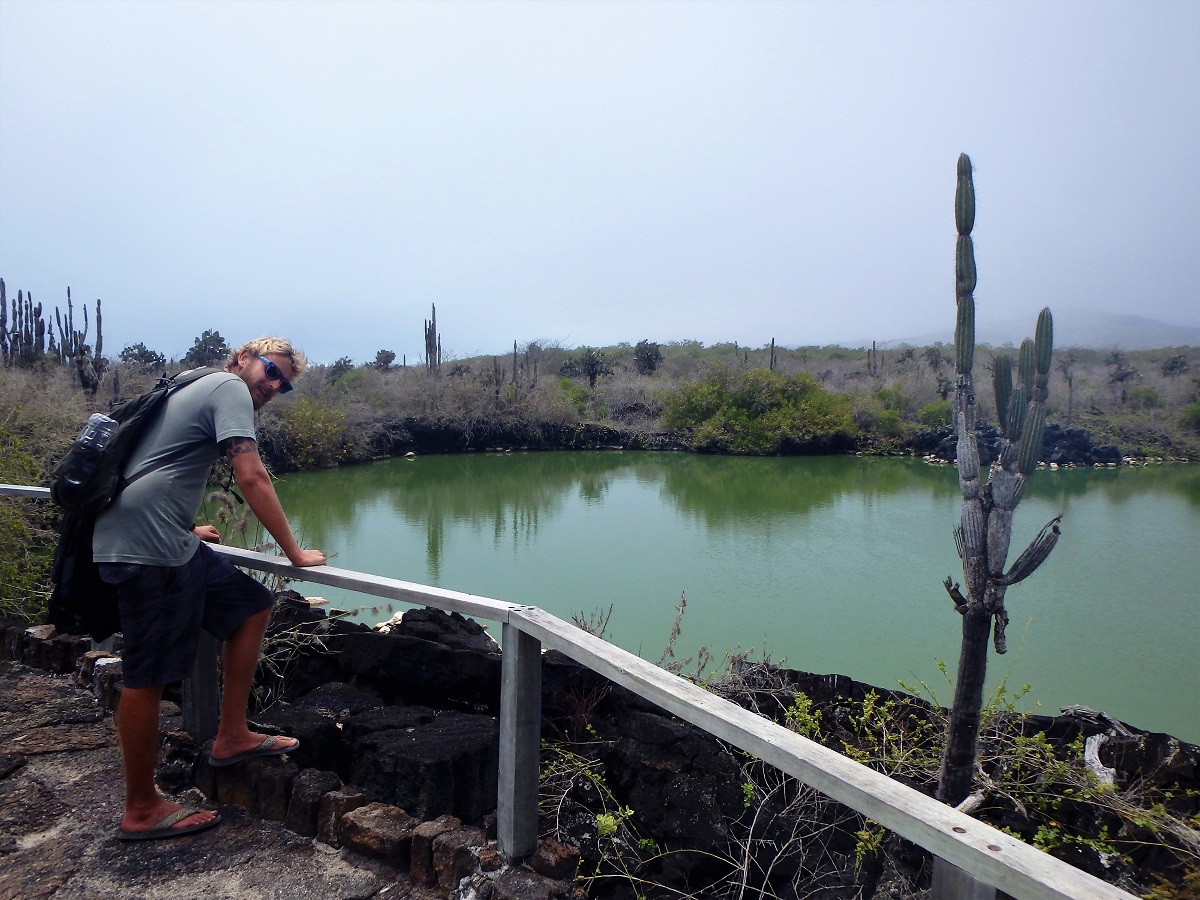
point(41, 411)
point(23, 571)
point(313, 432)
point(350, 381)
point(893, 397)
point(576, 393)
point(890, 423)
point(939, 412)
point(1145, 397)
point(1189, 416)
point(759, 412)
point(866, 410)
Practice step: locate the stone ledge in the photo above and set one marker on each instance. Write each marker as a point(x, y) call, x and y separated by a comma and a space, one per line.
point(65, 786)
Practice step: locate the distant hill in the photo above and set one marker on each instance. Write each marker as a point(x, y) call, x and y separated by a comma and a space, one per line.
point(1076, 328)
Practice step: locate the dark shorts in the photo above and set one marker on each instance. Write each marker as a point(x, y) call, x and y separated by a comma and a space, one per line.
point(163, 609)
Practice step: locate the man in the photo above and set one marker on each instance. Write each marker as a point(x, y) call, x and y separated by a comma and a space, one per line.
point(170, 585)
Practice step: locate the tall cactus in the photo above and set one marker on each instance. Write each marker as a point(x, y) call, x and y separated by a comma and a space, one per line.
point(433, 343)
point(985, 529)
point(24, 341)
point(73, 349)
point(29, 336)
point(71, 340)
point(99, 355)
point(4, 351)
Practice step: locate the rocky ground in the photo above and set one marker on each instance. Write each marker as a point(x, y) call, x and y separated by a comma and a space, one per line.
point(289, 829)
point(60, 793)
point(397, 727)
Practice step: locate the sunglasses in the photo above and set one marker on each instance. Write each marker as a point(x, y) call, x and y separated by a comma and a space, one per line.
point(274, 373)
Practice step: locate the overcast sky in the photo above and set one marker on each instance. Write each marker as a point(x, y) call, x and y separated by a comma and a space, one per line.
point(593, 172)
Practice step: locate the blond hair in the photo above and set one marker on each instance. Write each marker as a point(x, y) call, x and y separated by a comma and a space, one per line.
point(264, 345)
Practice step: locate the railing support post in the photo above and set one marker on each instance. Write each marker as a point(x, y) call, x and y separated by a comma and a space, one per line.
point(201, 693)
point(520, 745)
point(952, 883)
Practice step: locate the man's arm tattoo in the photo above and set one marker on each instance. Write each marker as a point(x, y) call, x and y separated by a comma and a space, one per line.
point(236, 445)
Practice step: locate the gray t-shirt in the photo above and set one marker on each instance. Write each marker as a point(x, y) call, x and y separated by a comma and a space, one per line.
point(150, 522)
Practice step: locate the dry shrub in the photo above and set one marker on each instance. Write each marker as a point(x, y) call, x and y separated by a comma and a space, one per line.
point(41, 411)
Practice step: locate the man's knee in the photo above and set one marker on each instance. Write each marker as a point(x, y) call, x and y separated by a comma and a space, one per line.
point(255, 622)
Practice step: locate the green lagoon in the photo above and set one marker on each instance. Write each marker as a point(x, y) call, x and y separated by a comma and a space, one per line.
point(830, 564)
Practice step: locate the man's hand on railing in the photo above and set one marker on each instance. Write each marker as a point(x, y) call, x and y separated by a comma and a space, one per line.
point(307, 558)
point(207, 533)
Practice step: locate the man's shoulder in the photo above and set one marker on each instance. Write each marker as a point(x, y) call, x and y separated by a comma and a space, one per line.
point(222, 397)
point(213, 385)
point(208, 376)
point(231, 405)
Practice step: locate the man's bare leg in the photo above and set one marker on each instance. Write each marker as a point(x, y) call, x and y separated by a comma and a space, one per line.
point(137, 729)
point(239, 656)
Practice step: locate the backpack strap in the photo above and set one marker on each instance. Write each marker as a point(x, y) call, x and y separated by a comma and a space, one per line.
point(181, 379)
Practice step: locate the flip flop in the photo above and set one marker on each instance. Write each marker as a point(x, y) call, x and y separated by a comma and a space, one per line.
point(164, 829)
point(266, 748)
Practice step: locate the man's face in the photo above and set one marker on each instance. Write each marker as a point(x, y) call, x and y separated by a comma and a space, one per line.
point(253, 371)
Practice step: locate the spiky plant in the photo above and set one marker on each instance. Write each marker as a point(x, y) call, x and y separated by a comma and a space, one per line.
point(985, 530)
point(433, 343)
point(4, 357)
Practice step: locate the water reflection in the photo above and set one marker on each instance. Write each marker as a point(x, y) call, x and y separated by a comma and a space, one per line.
point(724, 491)
point(514, 494)
point(838, 559)
point(1119, 485)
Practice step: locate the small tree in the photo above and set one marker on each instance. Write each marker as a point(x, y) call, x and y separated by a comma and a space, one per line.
point(1121, 372)
point(140, 355)
point(210, 349)
point(1175, 366)
point(647, 357)
point(383, 360)
point(1066, 367)
point(589, 364)
point(936, 358)
point(339, 368)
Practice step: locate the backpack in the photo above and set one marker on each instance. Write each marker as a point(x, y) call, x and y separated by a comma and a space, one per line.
point(82, 602)
point(103, 482)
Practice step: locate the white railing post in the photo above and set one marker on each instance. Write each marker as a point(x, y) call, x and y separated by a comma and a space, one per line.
point(201, 692)
point(952, 883)
point(520, 744)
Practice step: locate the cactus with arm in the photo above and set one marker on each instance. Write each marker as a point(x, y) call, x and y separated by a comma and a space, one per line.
point(985, 530)
point(433, 343)
point(4, 354)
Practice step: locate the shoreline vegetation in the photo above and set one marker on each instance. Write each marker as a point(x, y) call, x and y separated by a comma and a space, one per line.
point(724, 399)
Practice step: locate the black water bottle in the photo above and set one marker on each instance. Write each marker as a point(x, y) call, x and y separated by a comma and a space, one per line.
point(84, 455)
